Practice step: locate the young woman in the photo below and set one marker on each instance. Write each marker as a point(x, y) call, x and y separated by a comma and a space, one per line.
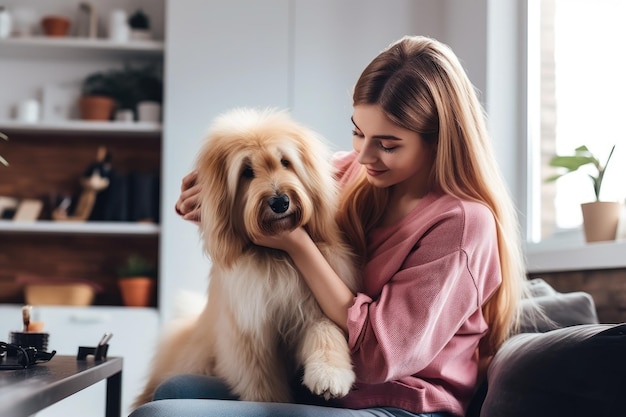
point(437, 237)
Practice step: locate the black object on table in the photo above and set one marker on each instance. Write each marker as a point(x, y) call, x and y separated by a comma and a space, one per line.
point(23, 392)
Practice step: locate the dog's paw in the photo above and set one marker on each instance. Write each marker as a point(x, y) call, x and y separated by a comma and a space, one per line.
point(328, 381)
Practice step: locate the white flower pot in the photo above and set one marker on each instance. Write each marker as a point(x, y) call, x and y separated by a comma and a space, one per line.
point(149, 111)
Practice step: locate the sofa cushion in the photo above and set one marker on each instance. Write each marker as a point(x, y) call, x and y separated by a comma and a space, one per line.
point(560, 309)
point(574, 371)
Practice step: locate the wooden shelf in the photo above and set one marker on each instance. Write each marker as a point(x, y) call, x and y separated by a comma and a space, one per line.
point(72, 47)
point(83, 126)
point(86, 228)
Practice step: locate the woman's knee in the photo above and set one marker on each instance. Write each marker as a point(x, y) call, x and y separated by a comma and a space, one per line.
point(149, 410)
point(193, 386)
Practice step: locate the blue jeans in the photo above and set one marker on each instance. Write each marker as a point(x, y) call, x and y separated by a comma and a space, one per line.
point(205, 396)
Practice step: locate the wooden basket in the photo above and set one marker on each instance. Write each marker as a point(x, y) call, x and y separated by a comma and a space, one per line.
point(59, 294)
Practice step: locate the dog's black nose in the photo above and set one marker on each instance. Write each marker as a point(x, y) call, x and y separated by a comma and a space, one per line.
point(279, 204)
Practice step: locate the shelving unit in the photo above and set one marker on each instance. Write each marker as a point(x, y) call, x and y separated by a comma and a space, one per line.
point(83, 126)
point(81, 48)
point(50, 154)
point(86, 228)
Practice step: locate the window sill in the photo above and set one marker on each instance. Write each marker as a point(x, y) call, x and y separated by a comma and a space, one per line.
point(572, 253)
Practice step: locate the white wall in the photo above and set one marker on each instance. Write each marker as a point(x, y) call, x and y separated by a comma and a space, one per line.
point(488, 38)
point(465, 30)
point(220, 55)
point(334, 41)
point(506, 84)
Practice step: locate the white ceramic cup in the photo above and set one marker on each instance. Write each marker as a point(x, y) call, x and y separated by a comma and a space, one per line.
point(124, 115)
point(28, 111)
point(149, 111)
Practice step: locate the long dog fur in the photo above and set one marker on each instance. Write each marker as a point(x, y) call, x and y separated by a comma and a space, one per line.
point(262, 173)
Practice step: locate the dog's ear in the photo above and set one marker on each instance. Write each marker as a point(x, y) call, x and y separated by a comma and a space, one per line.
point(320, 184)
point(223, 242)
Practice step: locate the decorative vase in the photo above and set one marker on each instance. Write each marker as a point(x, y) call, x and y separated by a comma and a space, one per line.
point(6, 23)
point(137, 291)
point(96, 107)
point(118, 26)
point(55, 25)
point(600, 220)
point(149, 111)
point(28, 111)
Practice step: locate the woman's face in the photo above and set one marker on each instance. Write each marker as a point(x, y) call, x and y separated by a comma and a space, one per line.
point(392, 155)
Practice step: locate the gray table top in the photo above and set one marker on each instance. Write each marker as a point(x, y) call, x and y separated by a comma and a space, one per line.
point(26, 391)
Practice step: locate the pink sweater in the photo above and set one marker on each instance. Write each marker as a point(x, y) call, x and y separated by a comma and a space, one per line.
point(415, 328)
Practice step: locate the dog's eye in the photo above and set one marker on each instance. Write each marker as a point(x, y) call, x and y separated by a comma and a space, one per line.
point(285, 163)
point(247, 173)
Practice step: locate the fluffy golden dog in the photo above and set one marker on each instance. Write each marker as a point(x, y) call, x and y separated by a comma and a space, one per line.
point(262, 173)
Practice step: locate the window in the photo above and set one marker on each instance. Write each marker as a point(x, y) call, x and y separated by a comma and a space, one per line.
point(577, 96)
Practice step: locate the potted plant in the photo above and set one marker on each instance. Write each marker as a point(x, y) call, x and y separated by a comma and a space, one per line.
point(124, 88)
point(136, 280)
point(600, 218)
point(139, 24)
point(149, 96)
point(2, 160)
point(98, 95)
point(149, 85)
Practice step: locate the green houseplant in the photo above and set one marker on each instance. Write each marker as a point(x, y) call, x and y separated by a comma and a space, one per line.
point(136, 280)
point(600, 218)
point(139, 24)
point(581, 157)
point(98, 95)
point(148, 85)
point(139, 20)
point(123, 88)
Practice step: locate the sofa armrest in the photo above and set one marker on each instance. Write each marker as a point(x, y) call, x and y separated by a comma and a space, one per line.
point(574, 371)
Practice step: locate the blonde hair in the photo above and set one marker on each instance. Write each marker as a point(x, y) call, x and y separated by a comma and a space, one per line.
point(421, 85)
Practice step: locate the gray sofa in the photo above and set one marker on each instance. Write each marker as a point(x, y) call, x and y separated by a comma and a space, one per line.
point(569, 365)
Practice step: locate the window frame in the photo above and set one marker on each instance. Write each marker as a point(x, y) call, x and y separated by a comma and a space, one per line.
point(562, 253)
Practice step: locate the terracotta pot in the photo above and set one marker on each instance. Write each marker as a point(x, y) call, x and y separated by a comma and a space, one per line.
point(96, 107)
point(55, 25)
point(137, 291)
point(600, 220)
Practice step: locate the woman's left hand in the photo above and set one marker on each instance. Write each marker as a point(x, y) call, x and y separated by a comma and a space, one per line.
point(286, 241)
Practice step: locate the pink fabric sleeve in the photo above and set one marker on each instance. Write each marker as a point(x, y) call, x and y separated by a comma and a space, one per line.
point(403, 325)
point(346, 167)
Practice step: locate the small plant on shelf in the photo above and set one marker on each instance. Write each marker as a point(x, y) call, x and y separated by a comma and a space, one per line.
point(136, 280)
point(581, 157)
point(600, 218)
point(139, 20)
point(125, 87)
point(136, 266)
point(139, 24)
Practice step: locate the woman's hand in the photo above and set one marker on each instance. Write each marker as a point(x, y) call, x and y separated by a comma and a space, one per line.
point(188, 204)
point(286, 241)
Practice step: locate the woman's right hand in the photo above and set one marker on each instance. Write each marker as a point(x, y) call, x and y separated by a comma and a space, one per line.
point(188, 204)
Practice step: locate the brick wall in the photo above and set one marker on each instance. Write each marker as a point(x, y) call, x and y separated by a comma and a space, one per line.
point(607, 287)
